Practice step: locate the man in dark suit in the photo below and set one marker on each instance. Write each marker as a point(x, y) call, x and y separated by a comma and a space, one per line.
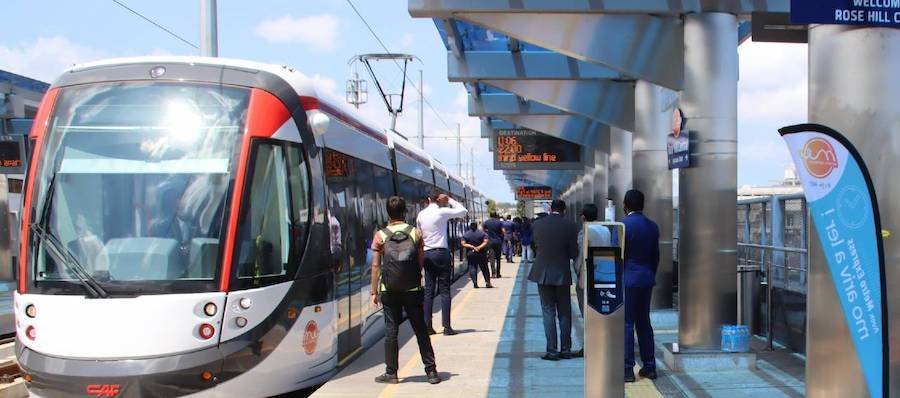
point(555, 244)
point(641, 260)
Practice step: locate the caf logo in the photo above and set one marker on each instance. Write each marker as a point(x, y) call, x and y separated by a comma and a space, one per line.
point(819, 157)
point(310, 337)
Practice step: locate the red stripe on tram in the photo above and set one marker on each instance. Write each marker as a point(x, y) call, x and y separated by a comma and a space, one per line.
point(266, 114)
point(38, 132)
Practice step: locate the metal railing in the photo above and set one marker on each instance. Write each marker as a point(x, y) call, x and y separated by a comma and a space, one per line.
point(772, 237)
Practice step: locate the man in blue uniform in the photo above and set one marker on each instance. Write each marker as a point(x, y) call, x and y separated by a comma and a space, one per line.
point(641, 260)
point(494, 229)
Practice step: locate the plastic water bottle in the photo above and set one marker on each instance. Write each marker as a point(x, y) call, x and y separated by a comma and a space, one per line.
point(735, 338)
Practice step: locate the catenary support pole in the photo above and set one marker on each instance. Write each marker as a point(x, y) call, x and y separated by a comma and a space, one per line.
point(209, 31)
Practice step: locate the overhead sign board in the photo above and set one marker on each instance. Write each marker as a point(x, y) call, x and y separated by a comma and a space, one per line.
point(525, 149)
point(846, 12)
point(534, 193)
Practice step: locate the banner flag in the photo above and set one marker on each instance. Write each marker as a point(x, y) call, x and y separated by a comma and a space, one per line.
point(842, 202)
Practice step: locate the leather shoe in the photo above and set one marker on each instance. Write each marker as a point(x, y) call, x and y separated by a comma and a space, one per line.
point(578, 354)
point(489, 286)
point(387, 379)
point(550, 357)
point(629, 375)
point(448, 331)
point(475, 286)
point(433, 377)
point(565, 355)
point(431, 331)
point(648, 373)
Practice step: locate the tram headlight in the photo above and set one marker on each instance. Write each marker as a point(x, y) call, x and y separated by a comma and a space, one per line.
point(31, 311)
point(31, 333)
point(240, 321)
point(245, 303)
point(210, 309)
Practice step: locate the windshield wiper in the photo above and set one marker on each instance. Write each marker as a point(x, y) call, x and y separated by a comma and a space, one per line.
point(60, 253)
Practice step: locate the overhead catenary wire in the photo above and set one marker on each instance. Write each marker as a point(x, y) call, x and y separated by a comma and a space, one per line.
point(409, 81)
point(154, 23)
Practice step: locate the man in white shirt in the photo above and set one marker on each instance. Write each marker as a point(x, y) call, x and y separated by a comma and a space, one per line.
point(432, 221)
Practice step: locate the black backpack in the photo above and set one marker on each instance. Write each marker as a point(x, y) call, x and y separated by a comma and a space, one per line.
point(399, 261)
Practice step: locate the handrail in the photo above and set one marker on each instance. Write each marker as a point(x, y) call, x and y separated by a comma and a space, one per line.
point(776, 248)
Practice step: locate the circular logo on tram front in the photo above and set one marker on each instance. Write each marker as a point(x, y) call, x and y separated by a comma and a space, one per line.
point(819, 157)
point(310, 337)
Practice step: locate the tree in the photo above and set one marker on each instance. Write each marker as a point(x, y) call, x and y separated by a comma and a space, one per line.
point(521, 208)
point(491, 206)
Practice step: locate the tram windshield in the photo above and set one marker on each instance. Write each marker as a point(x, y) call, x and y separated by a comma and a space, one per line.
point(133, 183)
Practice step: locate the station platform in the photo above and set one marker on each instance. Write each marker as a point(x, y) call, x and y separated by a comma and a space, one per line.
point(497, 354)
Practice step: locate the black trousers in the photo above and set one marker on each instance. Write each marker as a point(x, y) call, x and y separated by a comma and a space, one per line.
point(437, 275)
point(495, 258)
point(394, 306)
point(556, 303)
point(476, 263)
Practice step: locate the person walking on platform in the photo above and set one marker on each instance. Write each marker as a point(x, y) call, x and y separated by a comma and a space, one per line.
point(494, 229)
point(641, 261)
point(433, 221)
point(508, 243)
point(397, 261)
point(527, 239)
point(517, 236)
point(476, 241)
point(556, 245)
point(598, 235)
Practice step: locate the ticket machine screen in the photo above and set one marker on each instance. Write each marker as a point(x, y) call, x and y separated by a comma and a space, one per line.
point(604, 288)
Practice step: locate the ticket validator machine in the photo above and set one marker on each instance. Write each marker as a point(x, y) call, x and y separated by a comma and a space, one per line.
point(604, 312)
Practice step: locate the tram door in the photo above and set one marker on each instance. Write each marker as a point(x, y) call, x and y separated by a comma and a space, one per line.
point(346, 243)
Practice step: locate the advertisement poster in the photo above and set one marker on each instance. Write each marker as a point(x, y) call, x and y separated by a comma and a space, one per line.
point(678, 144)
point(842, 203)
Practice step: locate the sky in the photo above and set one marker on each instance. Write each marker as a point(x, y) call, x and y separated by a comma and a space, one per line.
point(43, 37)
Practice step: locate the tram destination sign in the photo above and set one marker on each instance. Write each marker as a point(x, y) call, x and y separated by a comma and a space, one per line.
point(538, 192)
point(526, 149)
point(846, 12)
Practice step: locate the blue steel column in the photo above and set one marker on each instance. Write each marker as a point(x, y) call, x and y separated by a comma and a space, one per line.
point(708, 189)
point(651, 175)
point(854, 87)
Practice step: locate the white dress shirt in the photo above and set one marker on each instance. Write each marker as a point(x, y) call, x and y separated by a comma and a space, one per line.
point(433, 219)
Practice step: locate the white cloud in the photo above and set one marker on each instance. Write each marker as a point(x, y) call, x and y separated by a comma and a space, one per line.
point(772, 93)
point(318, 32)
point(46, 58)
point(327, 85)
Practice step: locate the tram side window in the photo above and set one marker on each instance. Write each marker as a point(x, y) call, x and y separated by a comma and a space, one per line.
point(299, 184)
point(264, 229)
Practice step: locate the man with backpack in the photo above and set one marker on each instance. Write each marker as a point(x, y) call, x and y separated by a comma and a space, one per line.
point(397, 262)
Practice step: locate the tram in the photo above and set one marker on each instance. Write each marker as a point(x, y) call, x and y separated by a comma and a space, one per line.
point(200, 227)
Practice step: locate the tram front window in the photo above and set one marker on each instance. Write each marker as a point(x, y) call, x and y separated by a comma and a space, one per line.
point(136, 175)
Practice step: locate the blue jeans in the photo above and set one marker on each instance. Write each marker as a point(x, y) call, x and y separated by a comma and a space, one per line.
point(437, 275)
point(527, 253)
point(637, 319)
point(508, 249)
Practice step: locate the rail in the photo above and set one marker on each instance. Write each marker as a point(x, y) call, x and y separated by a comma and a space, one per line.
point(772, 249)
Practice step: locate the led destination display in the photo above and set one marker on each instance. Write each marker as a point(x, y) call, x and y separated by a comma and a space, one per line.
point(534, 193)
point(525, 149)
